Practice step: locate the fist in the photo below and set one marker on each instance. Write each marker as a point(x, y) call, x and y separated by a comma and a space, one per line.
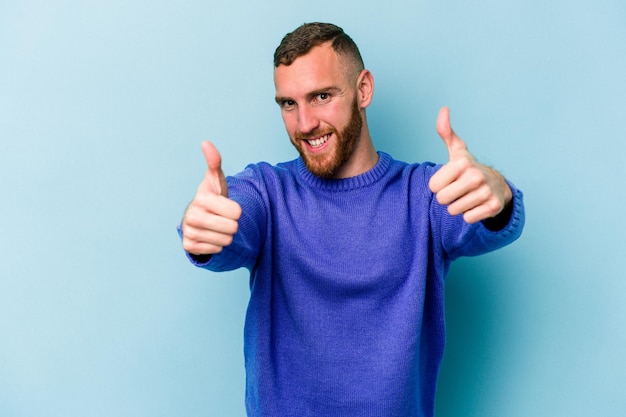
point(467, 187)
point(211, 219)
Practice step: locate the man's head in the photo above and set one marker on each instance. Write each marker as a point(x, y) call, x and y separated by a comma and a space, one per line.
point(323, 90)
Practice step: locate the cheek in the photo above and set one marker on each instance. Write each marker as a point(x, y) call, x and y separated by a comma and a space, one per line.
point(337, 116)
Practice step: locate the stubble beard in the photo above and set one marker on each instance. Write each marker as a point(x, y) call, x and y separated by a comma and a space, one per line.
point(327, 165)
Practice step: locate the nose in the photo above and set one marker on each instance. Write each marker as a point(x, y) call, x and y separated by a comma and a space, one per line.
point(307, 120)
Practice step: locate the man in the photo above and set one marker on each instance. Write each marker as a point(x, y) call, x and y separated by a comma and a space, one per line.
point(347, 248)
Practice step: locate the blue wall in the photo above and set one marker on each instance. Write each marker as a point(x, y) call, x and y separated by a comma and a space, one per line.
point(103, 105)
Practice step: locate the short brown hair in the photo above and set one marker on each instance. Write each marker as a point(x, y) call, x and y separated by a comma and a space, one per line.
point(309, 35)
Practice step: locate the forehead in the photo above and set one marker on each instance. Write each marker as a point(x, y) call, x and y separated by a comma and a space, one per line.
point(319, 68)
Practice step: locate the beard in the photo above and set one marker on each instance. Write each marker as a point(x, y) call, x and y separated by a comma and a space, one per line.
point(327, 164)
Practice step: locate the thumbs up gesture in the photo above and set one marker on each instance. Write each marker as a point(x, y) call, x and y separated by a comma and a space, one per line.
point(464, 185)
point(211, 219)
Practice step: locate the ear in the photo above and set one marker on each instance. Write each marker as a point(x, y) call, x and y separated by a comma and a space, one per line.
point(364, 88)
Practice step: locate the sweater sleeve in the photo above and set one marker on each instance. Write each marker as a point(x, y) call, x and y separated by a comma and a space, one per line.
point(459, 238)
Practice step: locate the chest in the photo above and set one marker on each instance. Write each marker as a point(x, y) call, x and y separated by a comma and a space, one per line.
point(350, 241)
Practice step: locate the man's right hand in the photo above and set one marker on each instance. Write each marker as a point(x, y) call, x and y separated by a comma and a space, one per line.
point(211, 219)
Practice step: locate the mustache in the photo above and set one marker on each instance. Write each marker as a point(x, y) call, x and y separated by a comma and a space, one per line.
point(314, 134)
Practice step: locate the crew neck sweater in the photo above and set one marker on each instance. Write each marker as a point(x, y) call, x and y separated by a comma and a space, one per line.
point(346, 309)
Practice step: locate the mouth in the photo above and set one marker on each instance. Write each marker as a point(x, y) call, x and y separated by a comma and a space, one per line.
point(319, 141)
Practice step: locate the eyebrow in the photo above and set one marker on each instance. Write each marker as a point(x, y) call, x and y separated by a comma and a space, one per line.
point(332, 90)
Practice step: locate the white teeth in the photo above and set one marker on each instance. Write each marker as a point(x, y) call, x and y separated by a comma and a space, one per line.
point(319, 141)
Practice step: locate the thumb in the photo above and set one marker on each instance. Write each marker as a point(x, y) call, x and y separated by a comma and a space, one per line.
point(214, 177)
point(454, 143)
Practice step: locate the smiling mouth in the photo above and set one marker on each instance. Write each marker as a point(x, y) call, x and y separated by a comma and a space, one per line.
point(317, 142)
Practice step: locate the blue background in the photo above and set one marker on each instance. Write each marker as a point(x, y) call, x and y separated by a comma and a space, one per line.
point(103, 105)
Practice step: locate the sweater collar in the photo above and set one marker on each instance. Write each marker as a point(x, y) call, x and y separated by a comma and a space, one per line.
point(345, 184)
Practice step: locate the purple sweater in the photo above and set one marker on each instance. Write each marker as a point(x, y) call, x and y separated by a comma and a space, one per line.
point(346, 312)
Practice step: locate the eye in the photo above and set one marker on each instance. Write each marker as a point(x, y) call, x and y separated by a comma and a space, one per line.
point(320, 98)
point(287, 104)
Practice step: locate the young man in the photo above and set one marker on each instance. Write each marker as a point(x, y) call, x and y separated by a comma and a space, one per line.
point(347, 248)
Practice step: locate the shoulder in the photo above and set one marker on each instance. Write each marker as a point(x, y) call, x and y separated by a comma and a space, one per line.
point(411, 166)
point(417, 173)
point(262, 178)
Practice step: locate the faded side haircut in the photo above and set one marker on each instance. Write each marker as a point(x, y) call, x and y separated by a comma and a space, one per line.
point(309, 35)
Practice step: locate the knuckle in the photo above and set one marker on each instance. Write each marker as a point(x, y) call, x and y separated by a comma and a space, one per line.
point(193, 216)
point(191, 220)
point(453, 210)
point(230, 228)
point(494, 206)
point(191, 234)
point(469, 218)
point(464, 163)
point(485, 193)
point(199, 200)
point(189, 245)
point(476, 178)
